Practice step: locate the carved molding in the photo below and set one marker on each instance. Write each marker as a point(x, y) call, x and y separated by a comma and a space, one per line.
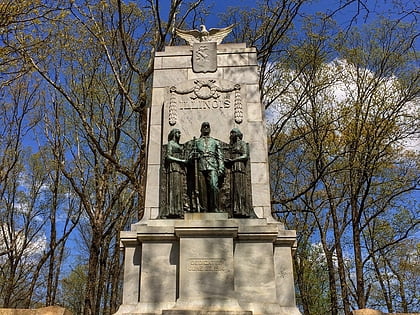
point(238, 112)
point(172, 107)
point(205, 89)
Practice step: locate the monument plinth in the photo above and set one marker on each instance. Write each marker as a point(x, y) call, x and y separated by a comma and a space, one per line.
point(207, 243)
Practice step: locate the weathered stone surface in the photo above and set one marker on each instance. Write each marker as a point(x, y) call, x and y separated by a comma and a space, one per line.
point(235, 47)
point(206, 267)
point(246, 75)
point(252, 94)
point(260, 195)
point(162, 77)
point(254, 277)
point(259, 173)
point(176, 62)
point(154, 150)
point(229, 60)
point(158, 96)
point(131, 274)
point(158, 275)
point(255, 112)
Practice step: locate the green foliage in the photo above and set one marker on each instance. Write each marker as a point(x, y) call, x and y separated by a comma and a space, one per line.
point(311, 274)
point(73, 289)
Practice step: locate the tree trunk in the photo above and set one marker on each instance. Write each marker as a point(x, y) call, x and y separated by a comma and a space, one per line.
point(404, 303)
point(53, 242)
point(385, 294)
point(91, 295)
point(56, 279)
point(103, 284)
point(341, 263)
point(7, 301)
point(144, 131)
point(357, 249)
point(300, 275)
point(332, 281)
point(116, 268)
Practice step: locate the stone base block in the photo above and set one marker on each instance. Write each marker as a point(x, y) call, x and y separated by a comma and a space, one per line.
point(133, 311)
point(201, 312)
point(207, 263)
point(143, 308)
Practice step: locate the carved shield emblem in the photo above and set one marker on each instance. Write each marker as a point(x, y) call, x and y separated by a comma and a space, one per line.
point(204, 57)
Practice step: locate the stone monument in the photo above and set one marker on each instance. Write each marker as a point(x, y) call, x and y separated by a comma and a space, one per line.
point(207, 243)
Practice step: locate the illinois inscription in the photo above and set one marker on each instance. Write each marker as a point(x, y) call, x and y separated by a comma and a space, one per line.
point(208, 94)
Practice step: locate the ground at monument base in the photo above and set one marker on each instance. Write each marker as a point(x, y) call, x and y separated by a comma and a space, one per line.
point(198, 312)
point(49, 310)
point(190, 312)
point(280, 311)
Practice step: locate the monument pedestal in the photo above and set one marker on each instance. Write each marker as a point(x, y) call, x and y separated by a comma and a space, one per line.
point(206, 270)
point(208, 264)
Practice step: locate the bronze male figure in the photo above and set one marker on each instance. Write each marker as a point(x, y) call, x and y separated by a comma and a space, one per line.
point(208, 157)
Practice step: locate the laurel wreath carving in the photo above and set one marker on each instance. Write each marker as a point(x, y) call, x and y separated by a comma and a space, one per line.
point(205, 89)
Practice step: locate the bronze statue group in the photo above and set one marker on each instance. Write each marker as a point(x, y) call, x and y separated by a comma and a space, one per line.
point(195, 173)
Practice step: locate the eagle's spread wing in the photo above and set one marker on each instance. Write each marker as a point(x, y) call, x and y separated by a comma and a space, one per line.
point(218, 34)
point(191, 36)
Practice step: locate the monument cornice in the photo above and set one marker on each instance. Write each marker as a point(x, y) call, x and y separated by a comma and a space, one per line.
point(206, 231)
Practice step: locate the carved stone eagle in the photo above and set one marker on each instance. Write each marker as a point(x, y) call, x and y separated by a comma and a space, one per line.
point(204, 35)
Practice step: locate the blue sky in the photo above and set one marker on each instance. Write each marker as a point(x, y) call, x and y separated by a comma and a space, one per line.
point(354, 12)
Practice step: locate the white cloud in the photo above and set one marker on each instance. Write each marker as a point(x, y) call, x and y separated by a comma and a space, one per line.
point(339, 80)
point(18, 243)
